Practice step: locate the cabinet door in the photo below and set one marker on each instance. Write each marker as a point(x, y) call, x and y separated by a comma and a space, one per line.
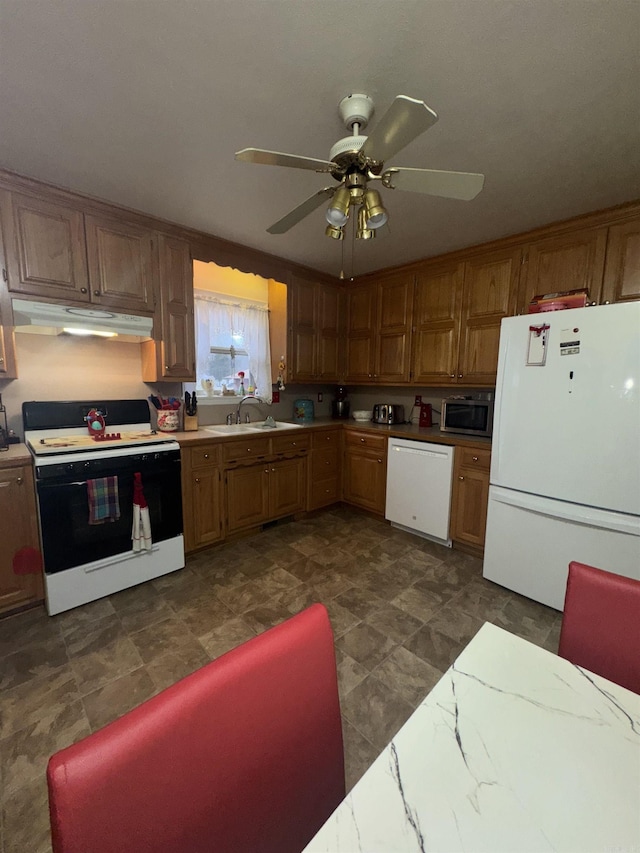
point(120, 264)
point(393, 328)
point(205, 521)
point(622, 268)
point(176, 301)
point(365, 480)
point(45, 248)
point(18, 530)
point(489, 294)
point(286, 487)
point(569, 262)
point(8, 366)
point(437, 324)
point(303, 329)
point(470, 495)
point(361, 318)
point(247, 497)
point(328, 341)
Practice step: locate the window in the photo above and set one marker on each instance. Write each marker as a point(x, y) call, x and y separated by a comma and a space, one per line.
point(232, 347)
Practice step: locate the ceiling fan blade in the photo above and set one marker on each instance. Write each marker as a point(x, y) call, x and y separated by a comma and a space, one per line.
point(460, 185)
point(276, 158)
point(405, 119)
point(298, 213)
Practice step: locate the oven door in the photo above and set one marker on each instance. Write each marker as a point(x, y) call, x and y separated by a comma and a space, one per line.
point(69, 540)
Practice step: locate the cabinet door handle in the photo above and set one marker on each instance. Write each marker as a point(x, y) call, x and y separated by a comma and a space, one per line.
point(273, 470)
point(206, 455)
point(379, 461)
point(475, 458)
point(362, 440)
point(83, 290)
point(266, 470)
point(452, 376)
point(19, 481)
point(167, 368)
point(96, 293)
point(461, 478)
point(197, 479)
point(459, 376)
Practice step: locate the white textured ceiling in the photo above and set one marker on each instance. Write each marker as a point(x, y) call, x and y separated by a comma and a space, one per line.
point(144, 102)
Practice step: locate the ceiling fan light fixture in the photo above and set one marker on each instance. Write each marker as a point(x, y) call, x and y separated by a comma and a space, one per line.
point(364, 233)
point(375, 213)
point(335, 232)
point(338, 211)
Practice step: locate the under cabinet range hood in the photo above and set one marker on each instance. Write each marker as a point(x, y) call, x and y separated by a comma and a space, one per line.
point(54, 318)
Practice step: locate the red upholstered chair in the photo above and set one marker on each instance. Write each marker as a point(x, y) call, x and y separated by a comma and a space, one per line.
point(601, 624)
point(243, 755)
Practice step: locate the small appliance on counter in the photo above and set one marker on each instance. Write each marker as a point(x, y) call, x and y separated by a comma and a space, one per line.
point(425, 419)
point(303, 411)
point(388, 413)
point(340, 406)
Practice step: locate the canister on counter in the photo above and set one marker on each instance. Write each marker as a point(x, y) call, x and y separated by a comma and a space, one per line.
point(303, 411)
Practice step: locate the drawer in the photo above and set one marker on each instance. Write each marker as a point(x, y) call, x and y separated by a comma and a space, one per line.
point(366, 439)
point(324, 492)
point(290, 443)
point(204, 455)
point(325, 438)
point(324, 463)
point(469, 457)
point(246, 448)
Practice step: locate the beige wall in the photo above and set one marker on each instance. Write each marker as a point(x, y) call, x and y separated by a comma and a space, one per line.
point(70, 368)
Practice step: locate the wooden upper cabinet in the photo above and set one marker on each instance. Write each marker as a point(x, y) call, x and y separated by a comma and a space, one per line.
point(314, 331)
point(437, 324)
point(379, 329)
point(489, 294)
point(45, 247)
point(171, 354)
point(393, 328)
point(176, 309)
point(120, 263)
point(570, 261)
point(622, 268)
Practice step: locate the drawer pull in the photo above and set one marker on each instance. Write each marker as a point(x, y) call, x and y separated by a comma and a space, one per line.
point(362, 440)
point(19, 481)
point(461, 478)
point(475, 458)
point(206, 455)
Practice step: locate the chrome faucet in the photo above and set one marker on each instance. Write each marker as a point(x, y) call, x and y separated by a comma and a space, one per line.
point(244, 400)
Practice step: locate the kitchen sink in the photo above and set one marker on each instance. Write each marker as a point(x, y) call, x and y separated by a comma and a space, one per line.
point(241, 429)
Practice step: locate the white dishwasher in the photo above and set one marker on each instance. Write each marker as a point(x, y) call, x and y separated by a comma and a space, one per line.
point(419, 477)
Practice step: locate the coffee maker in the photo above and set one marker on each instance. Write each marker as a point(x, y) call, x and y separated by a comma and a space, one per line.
point(340, 405)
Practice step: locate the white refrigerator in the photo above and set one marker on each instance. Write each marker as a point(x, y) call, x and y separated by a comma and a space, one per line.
point(565, 462)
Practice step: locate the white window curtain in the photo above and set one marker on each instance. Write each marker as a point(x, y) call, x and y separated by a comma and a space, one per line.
point(221, 322)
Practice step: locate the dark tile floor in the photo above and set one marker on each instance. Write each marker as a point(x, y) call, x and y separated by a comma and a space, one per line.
point(401, 607)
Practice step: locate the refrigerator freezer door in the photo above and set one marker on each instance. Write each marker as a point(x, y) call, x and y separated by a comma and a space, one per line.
point(570, 428)
point(531, 540)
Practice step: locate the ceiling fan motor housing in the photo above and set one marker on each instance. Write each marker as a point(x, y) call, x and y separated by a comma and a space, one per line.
point(356, 109)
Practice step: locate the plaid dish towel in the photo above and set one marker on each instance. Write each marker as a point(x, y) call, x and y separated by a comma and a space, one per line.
point(104, 504)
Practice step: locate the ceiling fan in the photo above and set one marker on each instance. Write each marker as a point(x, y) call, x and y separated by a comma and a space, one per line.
point(356, 161)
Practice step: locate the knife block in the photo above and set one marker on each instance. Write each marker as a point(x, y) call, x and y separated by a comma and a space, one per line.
point(190, 423)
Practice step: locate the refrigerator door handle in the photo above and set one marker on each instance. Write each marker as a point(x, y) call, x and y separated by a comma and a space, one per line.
point(586, 515)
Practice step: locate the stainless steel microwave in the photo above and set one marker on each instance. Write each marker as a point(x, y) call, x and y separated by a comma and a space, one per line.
point(469, 417)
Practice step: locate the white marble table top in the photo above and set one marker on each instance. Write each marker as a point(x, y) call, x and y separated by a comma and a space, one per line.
point(514, 749)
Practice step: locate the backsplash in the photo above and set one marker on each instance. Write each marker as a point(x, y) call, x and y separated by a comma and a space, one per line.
point(65, 368)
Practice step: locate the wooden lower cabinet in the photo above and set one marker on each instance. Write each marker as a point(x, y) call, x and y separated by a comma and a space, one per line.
point(470, 496)
point(365, 470)
point(18, 530)
point(325, 470)
point(201, 496)
point(264, 492)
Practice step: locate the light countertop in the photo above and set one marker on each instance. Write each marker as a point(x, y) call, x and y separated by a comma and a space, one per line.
point(514, 749)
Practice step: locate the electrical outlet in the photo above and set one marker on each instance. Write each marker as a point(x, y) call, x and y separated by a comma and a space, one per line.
point(418, 400)
point(320, 397)
point(275, 397)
